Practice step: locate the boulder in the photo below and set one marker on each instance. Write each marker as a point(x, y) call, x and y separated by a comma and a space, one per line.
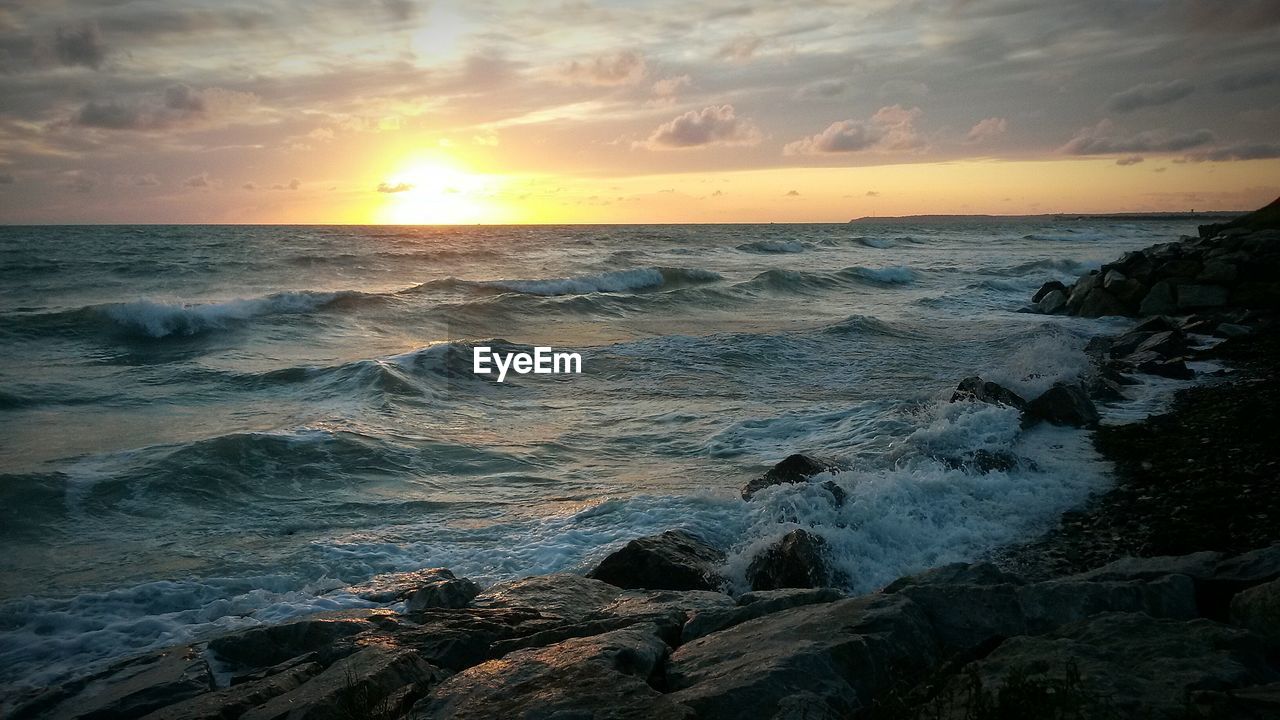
point(823, 660)
point(1197, 566)
point(602, 677)
point(1168, 343)
point(1159, 300)
point(1265, 218)
point(1050, 287)
point(376, 681)
point(978, 390)
point(674, 560)
point(752, 605)
point(1053, 303)
point(127, 689)
point(1218, 273)
point(797, 560)
point(439, 588)
point(648, 603)
point(1231, 330)
point(1192, 297)
point(1258, 609)
point(568, 597)
point(795, 468)
point(457, 639)
point(1081, 290)
point(1119, 665)
point(329, 635)
point(1064, 404)
point(1156, 364)
point(1101, 303)
point(238, 699)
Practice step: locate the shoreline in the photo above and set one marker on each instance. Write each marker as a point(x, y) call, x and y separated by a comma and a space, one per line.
point(1147, 569)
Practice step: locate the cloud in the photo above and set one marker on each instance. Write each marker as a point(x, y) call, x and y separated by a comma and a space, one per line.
point(824, 89)
point(892, 128)
point(713, 125)
point(79, 181)
point(621, 68)
point(177, 105)
point(198, 181)
point(740, 49)
point(1149, 95)
point(147, 180)
point(1247, 81)
point(80, 46)
point(293, 184)
point(873, 193)
point(6, 178)
point(1240, 151)
point(670, 86)
point(793, 193)
point(987, 129)
point(397, 188)
point(250, 186)
point(1101, 140)
point(1129, 160)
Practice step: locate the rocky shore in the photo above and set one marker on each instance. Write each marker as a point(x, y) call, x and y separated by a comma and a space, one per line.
point(1158, 599)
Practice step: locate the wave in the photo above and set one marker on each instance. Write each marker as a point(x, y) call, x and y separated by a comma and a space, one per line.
point(613, 281)
point(771, 247)
point(1067, 235)
point(1067, 265)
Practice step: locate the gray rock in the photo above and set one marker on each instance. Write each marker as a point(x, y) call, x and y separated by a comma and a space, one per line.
point(1159, 300)
point(1064, 404)
point(1081, 290)
point(1197, 566)
point(674, 560)
point(601, 677)
point(797, 560)
point(127, 689)
point(328, 634)
point(1218, 273)
point(1156, 364)
point(1231, 330)
point(1191, 297)
point(1168, 343)
point(1258, 609)
point(376, 681)
point(957, 574)
point(795, 468)
point(640, 603)
point(753, 605)
point(1101, 303)
point(570, 597)
point(238, 699)
point(458, 639)
point(1132, 664)
point(441, 589)
point(1052, 303)
point(974, 388)
point(1050, 287)
point(835, 656)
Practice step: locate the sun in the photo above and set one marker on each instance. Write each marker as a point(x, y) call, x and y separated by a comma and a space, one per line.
point(436, 191)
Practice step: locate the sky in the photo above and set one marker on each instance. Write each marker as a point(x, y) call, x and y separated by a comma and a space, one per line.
point(427, 111)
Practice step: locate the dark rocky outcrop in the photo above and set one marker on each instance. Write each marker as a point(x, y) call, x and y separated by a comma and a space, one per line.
point(1258, 609)
point(439, 588)
point(797, 560)
point(674, 560)
point(1064, 404)
point(796, 468)
point(976, 389)
point(1265, 218)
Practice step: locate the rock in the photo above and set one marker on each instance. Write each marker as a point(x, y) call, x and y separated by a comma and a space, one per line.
point(441, 589)
point(978, 390)
point(127, 689)
point(1130, 665)
point(566, 596)
point(1231, 330)
point(1049, 287)
point(1154, 324)
point(646, 603)
point(329, 635)
point(1101, 303)
point(1197, 566)
point(956, 574)
point(1168, 343)
point(838, 495)
point(1265, 218)
point(1262, 295)
point(1258, 609)
point(1159, 300)
point(1156, 364)
point(1129, 292)
point(1248, 569)
point(1064, 404)
point(674, 560)
point(832, 658)
point(793, 469)
point(238, 699)
point(458, 639)
point(374, 682)
point(1052, 303)
point(753, 605)
point(1191, 297)
point(1081, 290)
point(1218, 273)
point(601, 677)
point(798, 560)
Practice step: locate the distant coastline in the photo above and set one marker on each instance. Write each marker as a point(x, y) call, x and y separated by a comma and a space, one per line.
point(1057, 217)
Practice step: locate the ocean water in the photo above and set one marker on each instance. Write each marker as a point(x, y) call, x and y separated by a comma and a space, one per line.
point(210, 427)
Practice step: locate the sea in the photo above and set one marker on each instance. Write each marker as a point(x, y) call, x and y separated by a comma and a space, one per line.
point(206, 428)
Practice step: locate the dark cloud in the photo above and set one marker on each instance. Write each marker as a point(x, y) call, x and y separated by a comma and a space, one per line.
point(80, 46)
point(6, 178)
point(1242, 151)
point(892, 128)
point(621, 68)
point(714, 125)
point(740, 49)
point(1149, 95)
point(793, 193)
point(1237, 82)
point(293, 184)
point(1129, 160)
point(401, 10)
point(397, 188)
point(1101, 139)
point(176, 105)
point(198, 181)
point(183, 99)
point(873, 193)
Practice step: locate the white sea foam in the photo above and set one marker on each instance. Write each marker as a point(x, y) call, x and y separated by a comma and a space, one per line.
point(161, 319)
point(612, 281)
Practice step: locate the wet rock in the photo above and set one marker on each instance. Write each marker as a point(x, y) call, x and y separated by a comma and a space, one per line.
point(1081, 290)
point(1258, 609)
point(957, 574)
point(1101, 303)
point(1231, 330)
point(1168, 343)
point(329, 635)
point(798, 560)
point(1064, 404)
point(601, 677)
point(642, 603)
point(674, 560)
point(1154, 324)
point(1192, 297)
point(566, 596)
point(1052, 303)
point(1218, 273)
point(833, 658)
point(439, 588)
point(128, 689)
point(1152, 363)
point(978, 390)
point(795, 468)
point(234, 701)
point(1159, 300)
point(753, 605)
point(1197, 566)
point(1050, 287)
point(375, 681)
point(458, 639)
point(1132, 664)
